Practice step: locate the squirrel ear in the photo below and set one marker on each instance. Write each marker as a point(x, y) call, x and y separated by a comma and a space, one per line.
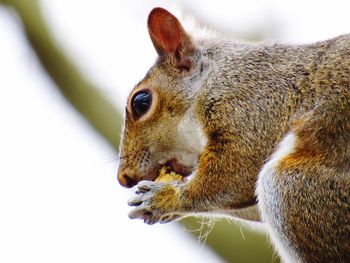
point(167, 34)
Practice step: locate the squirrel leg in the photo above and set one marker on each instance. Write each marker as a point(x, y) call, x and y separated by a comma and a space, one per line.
point(215, 187)
point(304, 201)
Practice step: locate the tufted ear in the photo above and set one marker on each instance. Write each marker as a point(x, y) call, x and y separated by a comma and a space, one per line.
point(167, 34)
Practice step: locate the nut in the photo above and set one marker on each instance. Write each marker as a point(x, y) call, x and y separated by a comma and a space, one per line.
point(166, 176)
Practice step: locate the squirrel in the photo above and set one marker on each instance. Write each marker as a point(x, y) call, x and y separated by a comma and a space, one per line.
point(262, 131)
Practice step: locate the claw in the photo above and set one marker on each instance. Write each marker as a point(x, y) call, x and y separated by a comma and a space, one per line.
point(165, 219)
point(135, 201)
point(150, 220)
point(140, 213)
point(146, 184)
point(168, 218)
point(144, 187)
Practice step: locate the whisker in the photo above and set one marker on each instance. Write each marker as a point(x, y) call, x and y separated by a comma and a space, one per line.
point(105, 161)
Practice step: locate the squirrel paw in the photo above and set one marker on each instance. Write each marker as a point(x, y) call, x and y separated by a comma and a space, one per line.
point(155, 202)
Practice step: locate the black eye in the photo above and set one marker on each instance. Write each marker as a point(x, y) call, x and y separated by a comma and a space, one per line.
point(141, 103)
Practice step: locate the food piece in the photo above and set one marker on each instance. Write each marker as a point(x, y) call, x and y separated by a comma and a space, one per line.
point(166, 176)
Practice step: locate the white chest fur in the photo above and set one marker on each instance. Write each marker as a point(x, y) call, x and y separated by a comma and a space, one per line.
point(270, 200)
point(190, 134)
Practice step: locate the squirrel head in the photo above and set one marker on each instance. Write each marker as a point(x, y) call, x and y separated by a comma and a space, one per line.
point(158, 104)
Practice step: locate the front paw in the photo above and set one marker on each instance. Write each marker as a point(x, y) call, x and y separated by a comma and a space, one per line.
point(156, 202)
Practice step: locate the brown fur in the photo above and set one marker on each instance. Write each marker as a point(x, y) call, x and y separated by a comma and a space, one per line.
point(246, 98)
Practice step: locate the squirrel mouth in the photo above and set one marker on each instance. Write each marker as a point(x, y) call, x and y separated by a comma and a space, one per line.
point(177, 167)
point(172, 165)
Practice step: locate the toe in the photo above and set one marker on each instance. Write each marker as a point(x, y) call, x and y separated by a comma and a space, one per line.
point(135, 201)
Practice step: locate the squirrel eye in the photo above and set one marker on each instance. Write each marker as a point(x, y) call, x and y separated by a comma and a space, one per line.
point(141, 102)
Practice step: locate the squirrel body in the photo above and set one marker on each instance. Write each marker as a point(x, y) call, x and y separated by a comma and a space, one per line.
point(263, 130)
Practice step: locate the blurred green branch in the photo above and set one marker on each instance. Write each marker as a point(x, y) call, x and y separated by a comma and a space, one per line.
point(101, 114)
point(225, 239)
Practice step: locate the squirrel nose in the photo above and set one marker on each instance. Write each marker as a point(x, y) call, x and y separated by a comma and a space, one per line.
point(126, 181)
